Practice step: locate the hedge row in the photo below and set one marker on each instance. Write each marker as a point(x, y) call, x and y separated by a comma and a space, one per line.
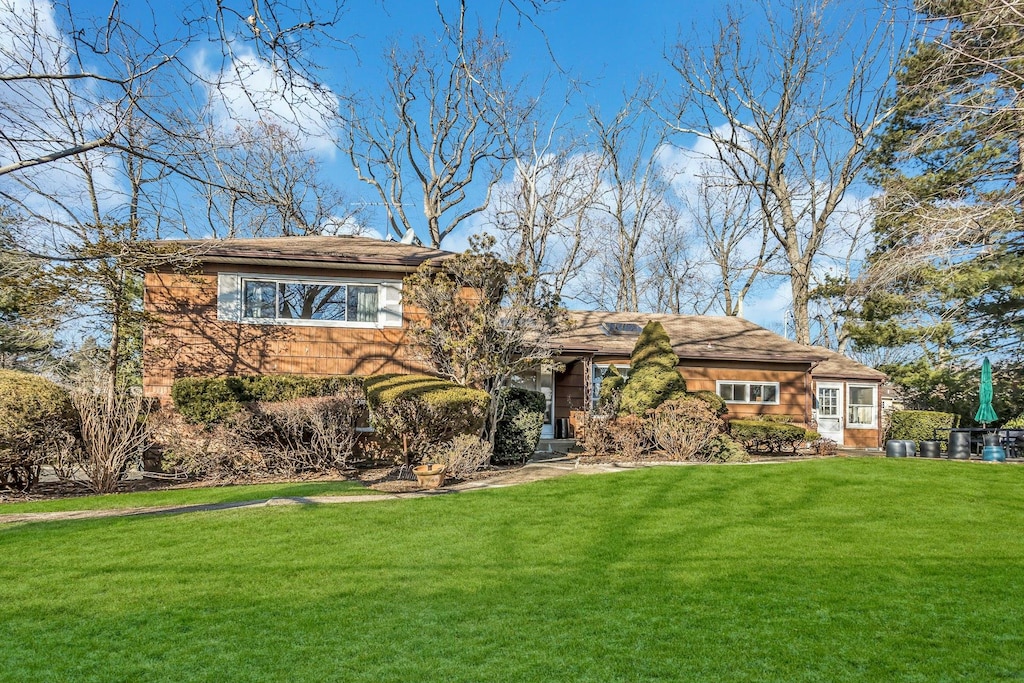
point(768, 435)
point(202, 400)
point(919, 425)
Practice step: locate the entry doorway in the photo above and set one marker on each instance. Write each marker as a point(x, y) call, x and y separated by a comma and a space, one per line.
point(830, 412)
point(542, 380)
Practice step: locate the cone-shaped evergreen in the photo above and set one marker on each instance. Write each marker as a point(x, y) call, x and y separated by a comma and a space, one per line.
point(611, 385)
point(653, 378)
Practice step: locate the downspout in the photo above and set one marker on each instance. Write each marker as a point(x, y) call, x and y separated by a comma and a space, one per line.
point(808, 405)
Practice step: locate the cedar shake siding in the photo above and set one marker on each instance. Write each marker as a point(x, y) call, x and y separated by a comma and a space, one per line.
point(197, 330)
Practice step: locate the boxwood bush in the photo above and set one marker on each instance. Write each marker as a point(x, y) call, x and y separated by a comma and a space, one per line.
point(519, 428)
point(919, 425)
point(767, 436)
point(414, 414)
point(205, 400)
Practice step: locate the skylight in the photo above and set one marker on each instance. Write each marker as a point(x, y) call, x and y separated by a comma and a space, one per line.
point(612, 329)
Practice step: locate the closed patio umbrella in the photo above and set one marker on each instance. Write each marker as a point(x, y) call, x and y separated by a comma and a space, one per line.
point(985, 412)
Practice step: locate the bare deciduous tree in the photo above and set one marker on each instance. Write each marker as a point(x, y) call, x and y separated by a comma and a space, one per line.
point(439, 136)
point(633, 205)
point(789, 117)
point(543, 215)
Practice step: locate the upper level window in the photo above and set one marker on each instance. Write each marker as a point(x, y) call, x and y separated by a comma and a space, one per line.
point(861, 408)
point(316, 301)
point(749, 392)
point(287, 300)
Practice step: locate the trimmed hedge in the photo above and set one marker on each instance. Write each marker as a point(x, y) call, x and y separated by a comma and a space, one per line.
point(204, 400)
point(519, 429)
point(714, 401)
point(414, 414)
point(767, 436)
point(919, 425)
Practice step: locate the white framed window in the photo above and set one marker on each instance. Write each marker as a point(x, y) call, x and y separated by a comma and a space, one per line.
point(598, 375)
point(861, 406)
point(266, 299)
point(748, 392)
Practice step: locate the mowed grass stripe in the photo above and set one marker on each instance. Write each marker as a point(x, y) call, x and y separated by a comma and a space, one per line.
point(867, 569)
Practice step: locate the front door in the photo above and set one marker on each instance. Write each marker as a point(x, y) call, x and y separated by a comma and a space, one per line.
point(830, 412)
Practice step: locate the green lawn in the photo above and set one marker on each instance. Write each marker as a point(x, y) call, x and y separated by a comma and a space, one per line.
point(830, 570)
point(190, 496)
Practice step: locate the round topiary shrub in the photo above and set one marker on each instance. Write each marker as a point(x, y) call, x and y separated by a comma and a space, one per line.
point(653, 378)
point(33, 412)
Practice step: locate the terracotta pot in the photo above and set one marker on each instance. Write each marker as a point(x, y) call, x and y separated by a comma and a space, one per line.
point(430, 476)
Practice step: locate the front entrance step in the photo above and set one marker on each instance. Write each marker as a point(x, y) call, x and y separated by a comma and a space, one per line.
point(553, 448)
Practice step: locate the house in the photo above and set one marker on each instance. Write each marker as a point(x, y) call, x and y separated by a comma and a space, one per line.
point(333, 306)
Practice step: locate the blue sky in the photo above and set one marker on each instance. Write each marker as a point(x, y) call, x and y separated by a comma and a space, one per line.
point(606, 46)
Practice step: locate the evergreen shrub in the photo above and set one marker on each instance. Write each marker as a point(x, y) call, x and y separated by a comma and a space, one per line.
point(205, 400)
point(522, 418)
point(919, 425)
point(768, 436)
point(33, 412)
point(653, 378)
point(414, 414)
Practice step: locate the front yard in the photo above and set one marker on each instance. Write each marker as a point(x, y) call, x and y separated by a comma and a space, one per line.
point(825, 570)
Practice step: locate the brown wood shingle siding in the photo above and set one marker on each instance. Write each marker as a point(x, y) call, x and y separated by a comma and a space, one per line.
point(186, 339)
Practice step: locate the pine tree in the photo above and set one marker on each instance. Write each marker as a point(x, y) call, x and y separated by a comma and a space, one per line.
point(653, 378)
point(948, 266)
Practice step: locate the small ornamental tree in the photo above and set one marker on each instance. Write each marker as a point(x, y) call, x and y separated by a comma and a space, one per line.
point(484, 321)
point(611, 386)
point(653, 378)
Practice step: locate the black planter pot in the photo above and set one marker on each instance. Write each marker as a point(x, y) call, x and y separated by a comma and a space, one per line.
point(959, 446)
point(930, 449)
point(895, 449)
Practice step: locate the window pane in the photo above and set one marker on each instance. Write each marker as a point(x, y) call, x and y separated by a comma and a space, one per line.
point(362, 304)
point(771, 393)
point(733, 392)
point(311, 301)
point(756, 393)
point(259, 299)
point(862, 396)
point(861, 415)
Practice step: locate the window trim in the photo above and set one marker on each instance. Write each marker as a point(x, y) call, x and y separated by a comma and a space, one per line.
point(874, 406)
point(748, 383)
point(242, 278)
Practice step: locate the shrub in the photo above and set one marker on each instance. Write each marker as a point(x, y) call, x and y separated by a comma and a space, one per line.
point(215, 451)
point(593, 433)
point(208, 400)
point(683, 428)
point(611, 388)
point(723, 448)
point(204, 400)
point(463, 455)
point(765, 435)
point(919, 425)
point(1014, 423)
point(820, 446)
point(653, 378)
point(714, 401)
point(35, 414)
point(114, 434)
point(413, 414)
point(302, 435)
point(519, 429)
point(631, 435)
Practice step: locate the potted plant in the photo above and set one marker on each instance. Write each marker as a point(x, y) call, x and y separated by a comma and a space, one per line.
point(429, 475)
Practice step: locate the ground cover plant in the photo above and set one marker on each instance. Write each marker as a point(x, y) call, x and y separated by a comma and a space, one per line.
point(200, 495)
point(826, 570)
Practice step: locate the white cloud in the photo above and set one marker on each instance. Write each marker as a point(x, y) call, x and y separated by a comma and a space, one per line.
point(251, 89)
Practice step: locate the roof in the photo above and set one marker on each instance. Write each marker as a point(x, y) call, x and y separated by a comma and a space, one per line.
point(840, 366)
point(692, 336)
point(325, 251)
